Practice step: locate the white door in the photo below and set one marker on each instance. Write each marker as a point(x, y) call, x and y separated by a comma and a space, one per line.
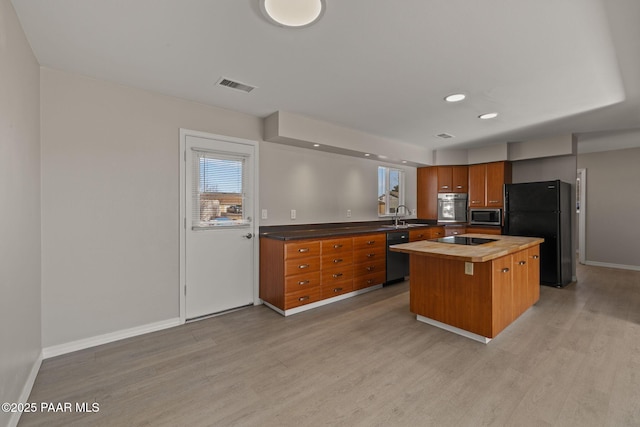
point(219, 252)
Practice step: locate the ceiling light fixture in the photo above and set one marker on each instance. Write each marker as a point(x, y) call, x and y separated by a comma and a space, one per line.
point(488, 116)
point(316, 145)
point(455, 97)
point(293, 13)
point(367, 155)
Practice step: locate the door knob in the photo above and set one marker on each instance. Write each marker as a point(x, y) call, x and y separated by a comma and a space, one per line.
point(248, 236)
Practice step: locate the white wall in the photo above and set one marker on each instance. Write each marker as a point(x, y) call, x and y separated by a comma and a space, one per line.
point(20, 341)
point(110, 202)
point(321, 186)
point(612, 206)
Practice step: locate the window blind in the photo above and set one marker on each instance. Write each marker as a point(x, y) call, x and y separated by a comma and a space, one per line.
point(217, 190)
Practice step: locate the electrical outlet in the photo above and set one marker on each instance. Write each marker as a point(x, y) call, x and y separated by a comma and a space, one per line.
point(413, 211)
point(264, 214)
point(468, 268)
point(348, 213)
point(293, 214)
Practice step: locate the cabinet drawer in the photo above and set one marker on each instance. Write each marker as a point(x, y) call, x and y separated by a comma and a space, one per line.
point(338, 288)
point(337, 259)
point(421, 234)
point(301, 282)
point(436, 232)
point(361, 282)
point(307, 296)
point(301, 249)
point(369, 268)
point(338, 274)
point(370, 241)
point(368, 255)
point(337, 246)
point(302, 265)
point(454, 231)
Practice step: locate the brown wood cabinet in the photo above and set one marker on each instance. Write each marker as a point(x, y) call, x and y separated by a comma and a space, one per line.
point(296, 273)
point(486, 184)
point(452, 179)
point(484, 302)
point(419, 234)
point(427, 196)
point(454, 230)
point(483, 230)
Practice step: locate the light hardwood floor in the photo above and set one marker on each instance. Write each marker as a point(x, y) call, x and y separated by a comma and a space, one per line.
point(571, 360)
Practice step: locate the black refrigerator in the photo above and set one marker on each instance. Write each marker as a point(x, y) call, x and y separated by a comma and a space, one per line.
point(543, 209)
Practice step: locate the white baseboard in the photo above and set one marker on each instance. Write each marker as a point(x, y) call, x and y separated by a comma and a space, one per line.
point(607, 264)
point(57, 350)
point(26, 390)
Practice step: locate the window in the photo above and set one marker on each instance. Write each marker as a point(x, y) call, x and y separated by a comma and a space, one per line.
point(390, 190)
point(218, 197)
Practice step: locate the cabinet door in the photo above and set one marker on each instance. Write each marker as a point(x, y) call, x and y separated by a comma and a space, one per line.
point(445, 181)
point(477, 178)
point(502, 295)
point(521, 288)
point(460, 179)
point(533, 258)
point(495, 180)
point(450, 230)
point(427, 187)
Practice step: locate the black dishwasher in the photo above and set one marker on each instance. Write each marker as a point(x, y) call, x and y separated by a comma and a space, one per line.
point(397, 262)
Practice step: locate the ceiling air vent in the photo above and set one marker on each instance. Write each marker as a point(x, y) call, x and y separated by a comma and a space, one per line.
point(445, 135)
point(235, 85)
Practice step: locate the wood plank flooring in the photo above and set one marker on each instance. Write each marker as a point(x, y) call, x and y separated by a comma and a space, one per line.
point(573, 359)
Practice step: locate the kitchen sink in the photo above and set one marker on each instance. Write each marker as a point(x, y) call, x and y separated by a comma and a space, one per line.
point(402, 226)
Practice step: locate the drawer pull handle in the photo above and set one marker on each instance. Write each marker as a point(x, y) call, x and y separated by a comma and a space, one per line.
point(370, 255)
point(371, 268)
point(522, 262)
point(370, 242)
point(303, 250)
point(370, 281)
point(505, 270)
point(303, 282)
point(335, 276)
point(420, 236)
point(445, 186)
point(303, 266)
point(535, 257)
point(337, 246)
point(337, 290)
point(337, 260)
point(458, 186)
point(304, 298)
point(494, 201)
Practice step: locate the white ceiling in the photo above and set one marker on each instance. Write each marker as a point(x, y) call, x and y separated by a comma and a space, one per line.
point(382, 67)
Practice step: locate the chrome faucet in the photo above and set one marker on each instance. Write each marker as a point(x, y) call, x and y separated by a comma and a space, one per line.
point(396, 214)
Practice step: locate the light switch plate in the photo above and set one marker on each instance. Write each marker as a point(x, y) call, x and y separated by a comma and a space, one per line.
point(468, 268)
point(293, 214)
point(264, 214)
point(348, 213)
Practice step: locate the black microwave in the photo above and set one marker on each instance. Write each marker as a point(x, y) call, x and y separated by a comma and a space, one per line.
point(488, 216)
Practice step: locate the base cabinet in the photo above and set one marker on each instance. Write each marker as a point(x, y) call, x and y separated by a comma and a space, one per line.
point(293, 274)
point(483, 303)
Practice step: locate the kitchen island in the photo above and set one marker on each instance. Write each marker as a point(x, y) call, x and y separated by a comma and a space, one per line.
point(474, 284)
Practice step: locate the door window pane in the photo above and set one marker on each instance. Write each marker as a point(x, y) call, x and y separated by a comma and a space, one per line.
point(218, 196)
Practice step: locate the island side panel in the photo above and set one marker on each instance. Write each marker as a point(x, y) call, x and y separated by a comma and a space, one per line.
point(440, 290)
point(503, 295)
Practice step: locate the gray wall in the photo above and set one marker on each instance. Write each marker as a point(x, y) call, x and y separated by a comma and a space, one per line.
point(110, 203)
point(20, 342)
point(612, 206)
point(321, 186)
point(563, 168)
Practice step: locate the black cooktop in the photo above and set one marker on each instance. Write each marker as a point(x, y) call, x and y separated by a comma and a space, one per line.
point(459, 240)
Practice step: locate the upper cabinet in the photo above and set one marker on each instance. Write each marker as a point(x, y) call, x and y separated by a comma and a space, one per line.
point(486, 184)
point(452, 179)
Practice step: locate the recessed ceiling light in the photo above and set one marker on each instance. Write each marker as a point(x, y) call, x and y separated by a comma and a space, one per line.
point(316, 145)
point(455, 97)
point(488, 116)
point(381, 156)
point(404, 161)
point(367, 155)
point(293, 13)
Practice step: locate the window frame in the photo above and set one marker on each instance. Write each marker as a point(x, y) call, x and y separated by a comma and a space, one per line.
point(384, 190)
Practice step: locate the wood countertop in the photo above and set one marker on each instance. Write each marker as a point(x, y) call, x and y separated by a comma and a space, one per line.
point(504, 245)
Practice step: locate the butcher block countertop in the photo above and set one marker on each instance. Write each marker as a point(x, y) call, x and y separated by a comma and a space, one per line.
point(504, 245)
